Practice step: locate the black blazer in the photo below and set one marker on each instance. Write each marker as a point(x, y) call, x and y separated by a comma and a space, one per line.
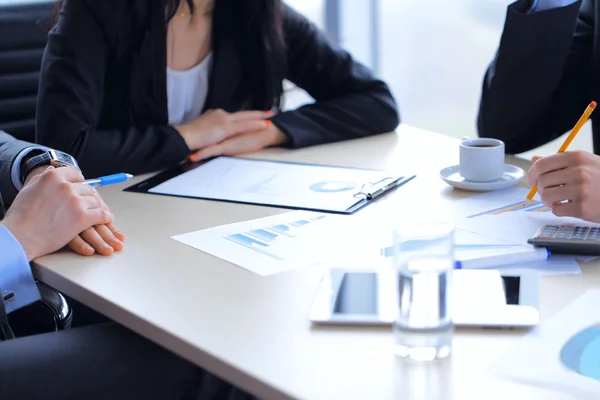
point(545, 73)
point(111, 113)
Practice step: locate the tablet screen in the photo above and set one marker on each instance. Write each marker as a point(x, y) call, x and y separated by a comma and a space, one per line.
point(512, 288)
point(357, 293)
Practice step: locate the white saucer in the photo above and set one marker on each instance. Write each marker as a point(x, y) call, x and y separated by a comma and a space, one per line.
point(512, 175)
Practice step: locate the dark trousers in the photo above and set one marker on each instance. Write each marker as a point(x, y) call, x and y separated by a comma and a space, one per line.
point(102, 360)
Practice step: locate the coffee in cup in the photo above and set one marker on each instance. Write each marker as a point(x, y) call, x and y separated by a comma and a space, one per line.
point(481, 160)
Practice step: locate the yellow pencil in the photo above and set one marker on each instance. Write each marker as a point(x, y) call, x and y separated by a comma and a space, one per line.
point(586, 114)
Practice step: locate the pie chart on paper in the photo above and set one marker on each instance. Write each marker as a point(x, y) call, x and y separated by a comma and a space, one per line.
point(332, 186)
point(581, 353)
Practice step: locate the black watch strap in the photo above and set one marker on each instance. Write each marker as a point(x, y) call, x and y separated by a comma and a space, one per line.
point(46, 158)
point(25, 166)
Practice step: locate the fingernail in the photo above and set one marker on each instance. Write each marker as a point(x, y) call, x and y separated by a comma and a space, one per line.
point(87, 249)
point(268, 123)
point(270, 112)
point(192, 157)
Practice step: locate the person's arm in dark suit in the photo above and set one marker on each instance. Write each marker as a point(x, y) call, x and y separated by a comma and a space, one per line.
point(12, 152)
point(70, 100)
point(350, 102)
point(538, 85)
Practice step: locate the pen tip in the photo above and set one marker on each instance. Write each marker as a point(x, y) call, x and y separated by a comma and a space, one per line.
point(129, 176)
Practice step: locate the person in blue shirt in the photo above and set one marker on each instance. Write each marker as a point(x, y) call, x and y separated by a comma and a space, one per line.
point(103, 361)
point(23, 161)
point(544, 75)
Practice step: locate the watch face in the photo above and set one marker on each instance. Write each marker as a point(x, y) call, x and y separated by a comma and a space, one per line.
point(64, 159)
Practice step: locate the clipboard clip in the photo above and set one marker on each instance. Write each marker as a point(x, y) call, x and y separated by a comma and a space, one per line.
point(372, 190)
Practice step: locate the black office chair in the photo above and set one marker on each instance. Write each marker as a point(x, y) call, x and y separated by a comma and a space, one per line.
point(52, 303)
point(58, 306)
point(23, 35)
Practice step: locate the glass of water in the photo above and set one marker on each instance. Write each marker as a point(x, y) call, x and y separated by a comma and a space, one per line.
point(423, 262)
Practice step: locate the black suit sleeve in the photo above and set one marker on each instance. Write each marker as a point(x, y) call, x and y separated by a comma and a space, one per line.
point(9, 150)
point(350, 102)
point(538, 85)
point(70, 101)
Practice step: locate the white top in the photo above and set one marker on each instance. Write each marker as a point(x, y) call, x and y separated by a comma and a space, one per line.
point(187, 91)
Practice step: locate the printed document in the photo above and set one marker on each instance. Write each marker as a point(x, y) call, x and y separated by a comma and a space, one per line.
point(302, 186)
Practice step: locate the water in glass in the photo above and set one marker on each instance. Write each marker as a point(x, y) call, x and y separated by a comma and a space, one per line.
point(424, 262)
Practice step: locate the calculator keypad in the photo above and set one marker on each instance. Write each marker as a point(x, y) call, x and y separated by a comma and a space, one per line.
point(570, 232)
point(594, 234)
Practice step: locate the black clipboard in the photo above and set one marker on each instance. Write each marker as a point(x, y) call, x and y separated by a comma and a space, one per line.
point(369, 192)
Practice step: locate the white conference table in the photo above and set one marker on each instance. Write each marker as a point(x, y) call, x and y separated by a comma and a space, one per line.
point(254, 330)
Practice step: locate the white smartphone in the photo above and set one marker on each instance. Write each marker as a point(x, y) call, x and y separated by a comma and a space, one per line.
point(368, 297)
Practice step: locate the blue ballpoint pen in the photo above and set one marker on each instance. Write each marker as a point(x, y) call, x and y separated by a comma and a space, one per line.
point(108, 180)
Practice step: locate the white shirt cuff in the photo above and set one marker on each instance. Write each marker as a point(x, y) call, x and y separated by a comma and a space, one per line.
point(15, 173)
point(16, 277)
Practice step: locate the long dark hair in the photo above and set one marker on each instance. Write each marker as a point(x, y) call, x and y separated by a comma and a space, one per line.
point(255, 28)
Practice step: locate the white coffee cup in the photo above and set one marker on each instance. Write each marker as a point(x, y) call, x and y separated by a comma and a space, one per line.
point(481, 160)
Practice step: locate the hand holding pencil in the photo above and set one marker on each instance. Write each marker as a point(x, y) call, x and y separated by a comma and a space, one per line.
point(569, 182)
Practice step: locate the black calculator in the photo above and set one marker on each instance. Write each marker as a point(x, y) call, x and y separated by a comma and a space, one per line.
point(568, 239)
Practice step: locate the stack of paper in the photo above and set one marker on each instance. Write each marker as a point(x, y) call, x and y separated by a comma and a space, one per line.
point(302, 238)
point(504, 215)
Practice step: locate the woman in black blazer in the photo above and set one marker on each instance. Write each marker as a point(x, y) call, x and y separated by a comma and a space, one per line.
point(103, 90)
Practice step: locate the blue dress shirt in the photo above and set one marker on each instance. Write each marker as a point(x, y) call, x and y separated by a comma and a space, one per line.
point(17, 286)
point(542, 5)
point(16, 280)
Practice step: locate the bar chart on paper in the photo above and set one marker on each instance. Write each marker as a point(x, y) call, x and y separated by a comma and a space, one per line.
point(270, 236)
point(525, 206)
point(505, 214)
point(281, 242)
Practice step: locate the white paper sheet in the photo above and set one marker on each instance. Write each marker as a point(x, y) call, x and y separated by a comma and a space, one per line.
point(272, 183)
point(298, 239)
point(562, 354)
point(501, 215)
point(282, 242)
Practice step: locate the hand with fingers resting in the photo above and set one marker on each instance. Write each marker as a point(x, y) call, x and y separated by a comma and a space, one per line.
point(569, 183)
point(52, 208)
point(103, 239)
point(218, 132)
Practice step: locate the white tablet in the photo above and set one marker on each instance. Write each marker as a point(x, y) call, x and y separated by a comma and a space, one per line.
point(368, 297)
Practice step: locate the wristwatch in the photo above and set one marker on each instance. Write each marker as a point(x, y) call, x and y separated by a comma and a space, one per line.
point(51, 157)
